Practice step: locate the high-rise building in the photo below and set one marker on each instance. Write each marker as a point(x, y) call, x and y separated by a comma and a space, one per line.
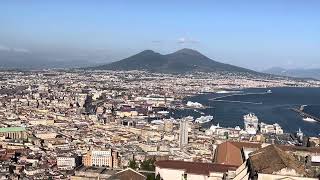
point(115, 159)
point(183, 135)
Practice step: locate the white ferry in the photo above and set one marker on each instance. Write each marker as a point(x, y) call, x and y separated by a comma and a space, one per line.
point(308, 119)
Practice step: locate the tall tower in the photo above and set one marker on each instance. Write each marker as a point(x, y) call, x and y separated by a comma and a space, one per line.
point(183, 136)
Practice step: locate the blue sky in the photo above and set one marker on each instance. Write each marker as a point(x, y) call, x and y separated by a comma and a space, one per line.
point(253, 34)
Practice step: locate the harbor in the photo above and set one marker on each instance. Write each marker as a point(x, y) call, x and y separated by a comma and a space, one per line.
point(275, 108)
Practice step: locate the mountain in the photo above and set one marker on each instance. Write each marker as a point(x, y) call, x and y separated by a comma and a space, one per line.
point(300, 73)
point(182, 61)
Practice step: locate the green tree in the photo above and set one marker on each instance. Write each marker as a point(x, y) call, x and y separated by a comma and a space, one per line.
point(133, 164)
point(148, 164)
point(150, 177)
point(158, 177)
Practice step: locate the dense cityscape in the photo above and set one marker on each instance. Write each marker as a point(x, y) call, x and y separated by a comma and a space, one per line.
point(159, 90)
point(59, 124)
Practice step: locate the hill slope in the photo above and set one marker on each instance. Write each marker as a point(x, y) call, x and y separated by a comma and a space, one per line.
point(182, 61)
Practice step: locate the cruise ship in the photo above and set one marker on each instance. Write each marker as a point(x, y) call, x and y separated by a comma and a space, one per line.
point(204, 119)
point(251, 123)
point(251, 117)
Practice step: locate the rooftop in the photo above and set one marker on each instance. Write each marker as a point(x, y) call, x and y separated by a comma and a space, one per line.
point(128, 174)
point(277, 160)
point(195, 167)
point(299, 148)
point(12, 129)
point(229, 152)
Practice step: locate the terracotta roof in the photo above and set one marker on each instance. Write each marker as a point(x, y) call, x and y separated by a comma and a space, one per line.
point(272, 159)
point(128, 174)
point(299, 148)
point(241, 145)
point(195, 167)
point(6, 157)
point(229, 152)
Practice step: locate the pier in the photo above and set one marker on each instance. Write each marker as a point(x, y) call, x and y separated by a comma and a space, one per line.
point(303, 114)
point(239, 94)
point(243, 102)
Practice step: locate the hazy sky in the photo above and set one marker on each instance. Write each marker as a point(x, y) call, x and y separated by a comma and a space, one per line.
point(255, 34)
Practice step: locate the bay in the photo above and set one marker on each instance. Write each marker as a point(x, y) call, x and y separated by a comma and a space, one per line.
point(228, 109)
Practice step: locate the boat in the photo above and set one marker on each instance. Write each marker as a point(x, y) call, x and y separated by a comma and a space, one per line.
point(188, 118)
point(308, 119)
point(157, 122)
point(214, 127)
point(163, 112)
point(251, 123)
point(194, 104)
point(227, 92)
point(223, 92)
point(269, 91)
point(200, 112)
point(204, 119)
point(251, 117)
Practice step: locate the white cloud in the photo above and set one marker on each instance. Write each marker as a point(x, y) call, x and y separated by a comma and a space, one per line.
point(156, 41)
point(184, 40)
point(20, 50)
point(181, 40)
point(4, 48)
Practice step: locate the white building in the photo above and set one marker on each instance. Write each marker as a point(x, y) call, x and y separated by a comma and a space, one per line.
point(101, 158)
point(270, 128)
point(68, 163)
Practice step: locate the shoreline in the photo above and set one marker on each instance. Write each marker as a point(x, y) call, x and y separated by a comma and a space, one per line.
point(273, 114)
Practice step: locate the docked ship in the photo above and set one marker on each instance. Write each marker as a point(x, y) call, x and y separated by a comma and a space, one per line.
point(251, 123)
point(308, 119)
point(200, 112)
point(204, 119)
